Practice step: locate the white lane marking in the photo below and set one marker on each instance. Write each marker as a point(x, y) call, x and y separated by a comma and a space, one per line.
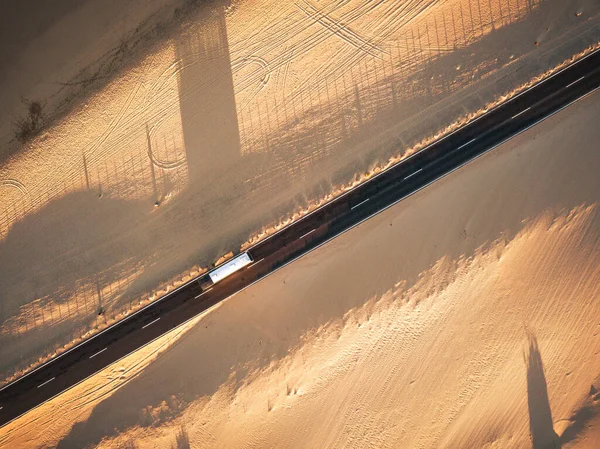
point(259, 261)
point(360, 204)
point(465, 144)
point(304, 235)
point(553, 75)
point(48, 381)
point(413, 174)
point(576, 81)
point(205, 291)
point(522, 112)
point(152, 322)
point(1, 408)
point(118, 323)
point(404, 161)
point(99, 352)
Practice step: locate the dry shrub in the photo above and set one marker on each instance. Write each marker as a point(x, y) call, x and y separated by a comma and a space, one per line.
point(28, 126)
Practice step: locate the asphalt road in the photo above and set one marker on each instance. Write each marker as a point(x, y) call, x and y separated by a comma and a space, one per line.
point(377, 194)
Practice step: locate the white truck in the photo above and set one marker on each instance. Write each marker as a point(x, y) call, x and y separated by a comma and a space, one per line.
point(226, 269)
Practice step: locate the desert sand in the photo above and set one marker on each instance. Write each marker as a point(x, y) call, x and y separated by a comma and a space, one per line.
point(177, 133)
point(464, 316)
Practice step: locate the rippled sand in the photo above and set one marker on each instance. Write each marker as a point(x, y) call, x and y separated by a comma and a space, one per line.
point(465, 316)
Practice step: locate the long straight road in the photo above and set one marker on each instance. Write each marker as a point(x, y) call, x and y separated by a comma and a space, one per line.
point(341, 214)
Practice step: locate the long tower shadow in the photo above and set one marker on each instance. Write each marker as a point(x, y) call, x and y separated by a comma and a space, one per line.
point(541, 427)
point(206, 94)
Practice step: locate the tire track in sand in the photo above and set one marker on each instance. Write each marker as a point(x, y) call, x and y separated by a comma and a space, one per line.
point(339, 29)
point(14, 184)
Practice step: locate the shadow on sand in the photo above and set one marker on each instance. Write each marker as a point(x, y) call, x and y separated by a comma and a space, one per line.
point(541, 427)
point(206, 94)
point(208, 369)
point(50, 254)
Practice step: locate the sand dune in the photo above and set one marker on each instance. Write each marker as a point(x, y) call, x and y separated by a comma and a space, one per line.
point(465, 316)
point(226, 124)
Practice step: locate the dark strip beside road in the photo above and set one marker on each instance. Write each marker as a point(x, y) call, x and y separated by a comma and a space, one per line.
point(304, 235)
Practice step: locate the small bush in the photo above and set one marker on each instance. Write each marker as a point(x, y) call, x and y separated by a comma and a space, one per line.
point(27, 127)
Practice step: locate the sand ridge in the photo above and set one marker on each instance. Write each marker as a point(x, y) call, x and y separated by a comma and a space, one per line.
point(457, 318)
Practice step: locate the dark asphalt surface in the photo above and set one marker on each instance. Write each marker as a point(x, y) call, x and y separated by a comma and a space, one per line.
point(302, 236)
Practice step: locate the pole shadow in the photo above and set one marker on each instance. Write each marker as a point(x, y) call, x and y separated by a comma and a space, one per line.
point(541, 426)
point(206, 95)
